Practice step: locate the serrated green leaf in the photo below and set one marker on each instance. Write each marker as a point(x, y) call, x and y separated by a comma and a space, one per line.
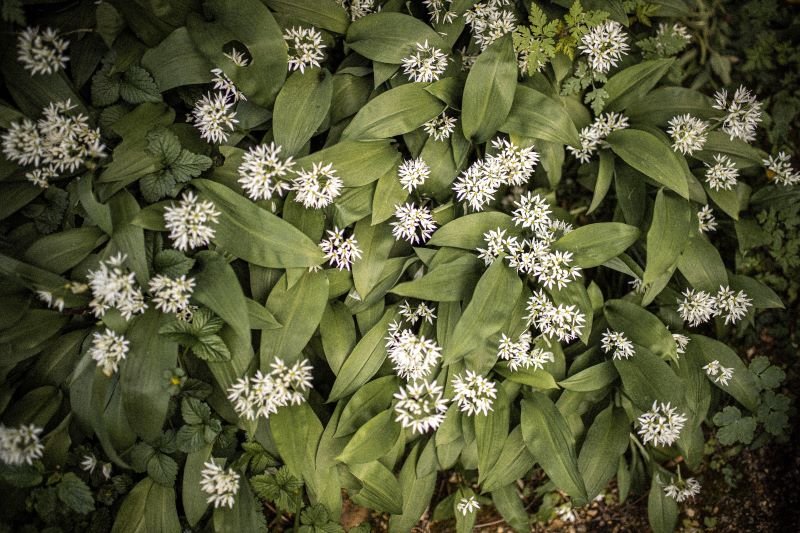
point(172, 263)
point(188, 165)
point(75, 494)
point(105, 88)
point(137, 86)
point(162, 468)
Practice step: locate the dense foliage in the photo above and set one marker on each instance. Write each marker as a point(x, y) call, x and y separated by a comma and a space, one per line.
point(263, 251)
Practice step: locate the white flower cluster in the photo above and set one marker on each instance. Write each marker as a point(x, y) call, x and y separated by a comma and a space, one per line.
point(780, 169)
point(720, 374)
point(440, 11)
point(698, 307)
point(357, 8)
point(42, 52)
point(468, 505)
point(413, 357)
point(113, 287)
point(340, 252)
point(413, 173)
point(743, 113)
point(682, 489)
point(213, 113)
point(220, 484)
point(427, 64)
point(52, 301)
point(414, 314)
point(520, 355)
point(618, 343)
point(474, 393)
point(90, 462)
point(414, 224)
point(688, 133)
point(261, 172)
point(681, 342)
point(511, 165)
point(705, 219)
point(563, 322)
point(661, 425)
point(489, 20)
point(20, 445)
point(677, 30)
point(441, 127)
point(305, 48)
point(263, 394)
point(171, 295)
point(593, 136)
point(421, 406)
point(318, 187)
point(237, 58)
point(723, 174)
point(189, 223)
point(605, 44)
point(108, 350)
point(58, 142)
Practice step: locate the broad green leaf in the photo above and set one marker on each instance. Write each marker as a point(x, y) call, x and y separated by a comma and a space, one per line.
point(763, 297)
point(58, 252)
point(417, 490)
point(489, 90)
point(323, 14)
point(512, 464)
point(550, 441)
point(742, 386)
point(365, 359)
point(594, 244)
point(664, 103)
point(491, 431)
point(509, 504)
point(605, 175)
point(296, 431)
point(357, 163)
point(651, 156)
point(373, 440)
point(390, 37)
point(536, 378)
point(338, 333)
point(647, 379)
point(467, 232)
point(702, 266)
point(148, 507)
point(380, 489)
point(631, 84)
point(144, 388)
point(376, 241)
point(327, 487)
point(667, 237)
point(740, 152)
point(594, 378)
point(256, 235)
point(251, 23)
point(218, 289)
point(367, 402)
point(537, 115)
point(131, 514)
point(299, 308)
point(450, 282)
point(247, 513)
point(641, 327)
point(75, 494)
point(662, 510)
point(176, 61)
point(606, 441)
point(128, 237)
point(301, 107)
point(494, 297)
point(394, 112)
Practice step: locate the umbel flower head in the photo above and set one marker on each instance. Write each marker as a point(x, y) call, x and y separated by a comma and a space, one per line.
point(489, 20)
point(413, 357)
point(720, 374)
point(698, 307)
point(113, 287)
point(190, 222)
point(413, 224)
point(220, 484)
point(109, 349)
point(214, 116)
point(262, 171)
point(705, 219)
point(414, 314)
point(520, 355)
point(661, 425)
point(742, 113)
point(421, 406)
point(171, 295)
point(682, 489)
point(305, 48)
point(20, 445)
point(723, 174)
point(427, 64)
point(357, 8)
point(318, 187)
point(688, 133)
point(263, 394)
point(474, 393)
point(440, 11)
point(340, 252)
point(413, 173)
point(605, 44)
point(468, 505)
point(618, 343)
point(563, 322)
point(593, 136)
point(441, 127)
point(42, 52)
point(780, 169)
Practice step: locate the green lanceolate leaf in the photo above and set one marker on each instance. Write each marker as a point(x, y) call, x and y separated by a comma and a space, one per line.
point(300, 108)
point(550, 441)
point(631, 84)
point(641, 327)
point(591, 379)
point(356, 162)
point(489, 91)
point(741, 386)
point(651, 156)
point(380, 489)
point(702, 266)
point(450, 282)
point(595, 244)
point(373, 440)
point(647, 379)
point(467, 232)
point(391, 37)
point(534, 114)
point(667, 237)
point(606, 441)
point(397, 111)
point(256, 235)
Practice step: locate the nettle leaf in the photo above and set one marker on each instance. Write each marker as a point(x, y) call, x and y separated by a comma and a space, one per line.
point(105, 88)
point(188, 165)
point(137, 86)
point(281, 488)
point(154, 187)
point(163, 144)
point(194, 411)
point(172, 263)
point(75, 494)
